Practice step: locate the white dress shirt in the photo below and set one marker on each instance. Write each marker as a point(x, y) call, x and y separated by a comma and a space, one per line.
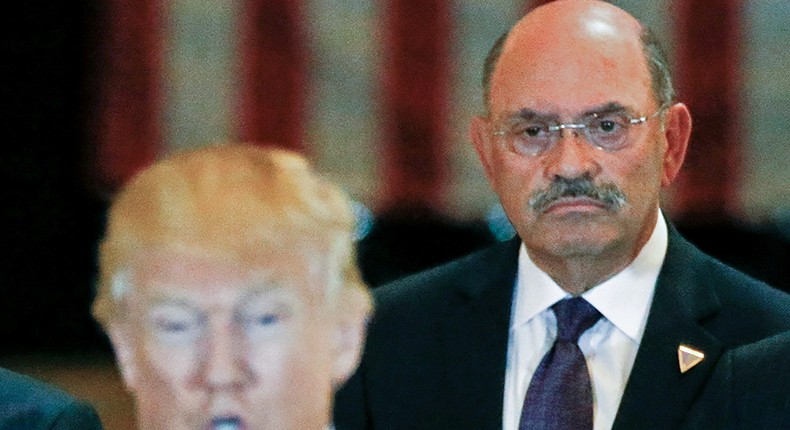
point(609, 346)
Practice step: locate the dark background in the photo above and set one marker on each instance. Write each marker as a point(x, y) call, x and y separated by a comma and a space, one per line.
point(49, 222)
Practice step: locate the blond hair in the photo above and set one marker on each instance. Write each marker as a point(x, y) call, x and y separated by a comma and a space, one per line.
point(230, 202)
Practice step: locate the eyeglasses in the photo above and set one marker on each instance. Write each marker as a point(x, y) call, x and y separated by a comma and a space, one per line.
point(609, 131)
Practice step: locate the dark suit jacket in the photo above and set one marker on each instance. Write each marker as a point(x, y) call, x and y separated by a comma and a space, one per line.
point(26, 404)
point(749, 390)
point(436, 348)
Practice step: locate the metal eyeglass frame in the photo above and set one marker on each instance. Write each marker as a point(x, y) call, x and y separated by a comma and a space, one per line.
point(576, 126)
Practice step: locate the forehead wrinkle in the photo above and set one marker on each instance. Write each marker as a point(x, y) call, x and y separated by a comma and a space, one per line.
point(608, 107)
point(528, 114)
point(163, 300)
point(186, 295)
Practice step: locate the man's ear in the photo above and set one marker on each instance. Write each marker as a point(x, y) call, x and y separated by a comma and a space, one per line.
point(123, 346)
point(478, 131)
point(677, 131)
point(349, 339)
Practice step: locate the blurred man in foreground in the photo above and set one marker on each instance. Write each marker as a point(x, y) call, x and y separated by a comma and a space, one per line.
point(229, 291)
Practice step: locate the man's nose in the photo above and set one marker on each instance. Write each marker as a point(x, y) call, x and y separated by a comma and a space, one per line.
point(225, 365)
point(571, 157)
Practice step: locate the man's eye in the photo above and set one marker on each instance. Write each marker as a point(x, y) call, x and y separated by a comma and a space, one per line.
point(266, 315)
point(264, 320)
point(175, 323)
point(171, 326)
point(606, 125)
point(530, 130)
point(533, 130)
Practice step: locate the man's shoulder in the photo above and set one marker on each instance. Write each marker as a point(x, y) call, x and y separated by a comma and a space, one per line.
point(738, 294)
point(748, 388)
point(759, 379)
point(737, 285)
point(15, 388)
point(31, 404)
point(465, 274)
point(761, 356)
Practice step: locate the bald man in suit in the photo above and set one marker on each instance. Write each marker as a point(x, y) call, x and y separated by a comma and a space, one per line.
point(599, 305)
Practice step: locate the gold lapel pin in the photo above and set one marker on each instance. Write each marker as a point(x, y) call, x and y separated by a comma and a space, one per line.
point(689, 357)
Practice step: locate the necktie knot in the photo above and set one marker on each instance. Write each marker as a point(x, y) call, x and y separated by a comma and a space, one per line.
point(574, 316)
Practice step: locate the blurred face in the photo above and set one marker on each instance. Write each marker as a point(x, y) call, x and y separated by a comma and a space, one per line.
point(210, 345)
point(575, 200)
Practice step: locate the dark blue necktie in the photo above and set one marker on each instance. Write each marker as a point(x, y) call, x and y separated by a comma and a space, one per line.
point(559, 396)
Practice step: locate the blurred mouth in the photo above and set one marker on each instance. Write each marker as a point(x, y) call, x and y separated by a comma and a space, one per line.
point(229, 422)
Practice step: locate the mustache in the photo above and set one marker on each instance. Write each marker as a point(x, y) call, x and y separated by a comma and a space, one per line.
point(583, 186)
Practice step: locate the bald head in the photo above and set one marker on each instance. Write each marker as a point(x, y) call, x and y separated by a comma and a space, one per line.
point(592, 30)
point(577, 18)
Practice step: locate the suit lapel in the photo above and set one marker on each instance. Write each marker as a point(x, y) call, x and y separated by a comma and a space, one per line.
point(475, 337)
point(657, 395)
point(475, 334)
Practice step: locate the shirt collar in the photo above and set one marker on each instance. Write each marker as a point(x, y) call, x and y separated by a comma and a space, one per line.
point(634, 285)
